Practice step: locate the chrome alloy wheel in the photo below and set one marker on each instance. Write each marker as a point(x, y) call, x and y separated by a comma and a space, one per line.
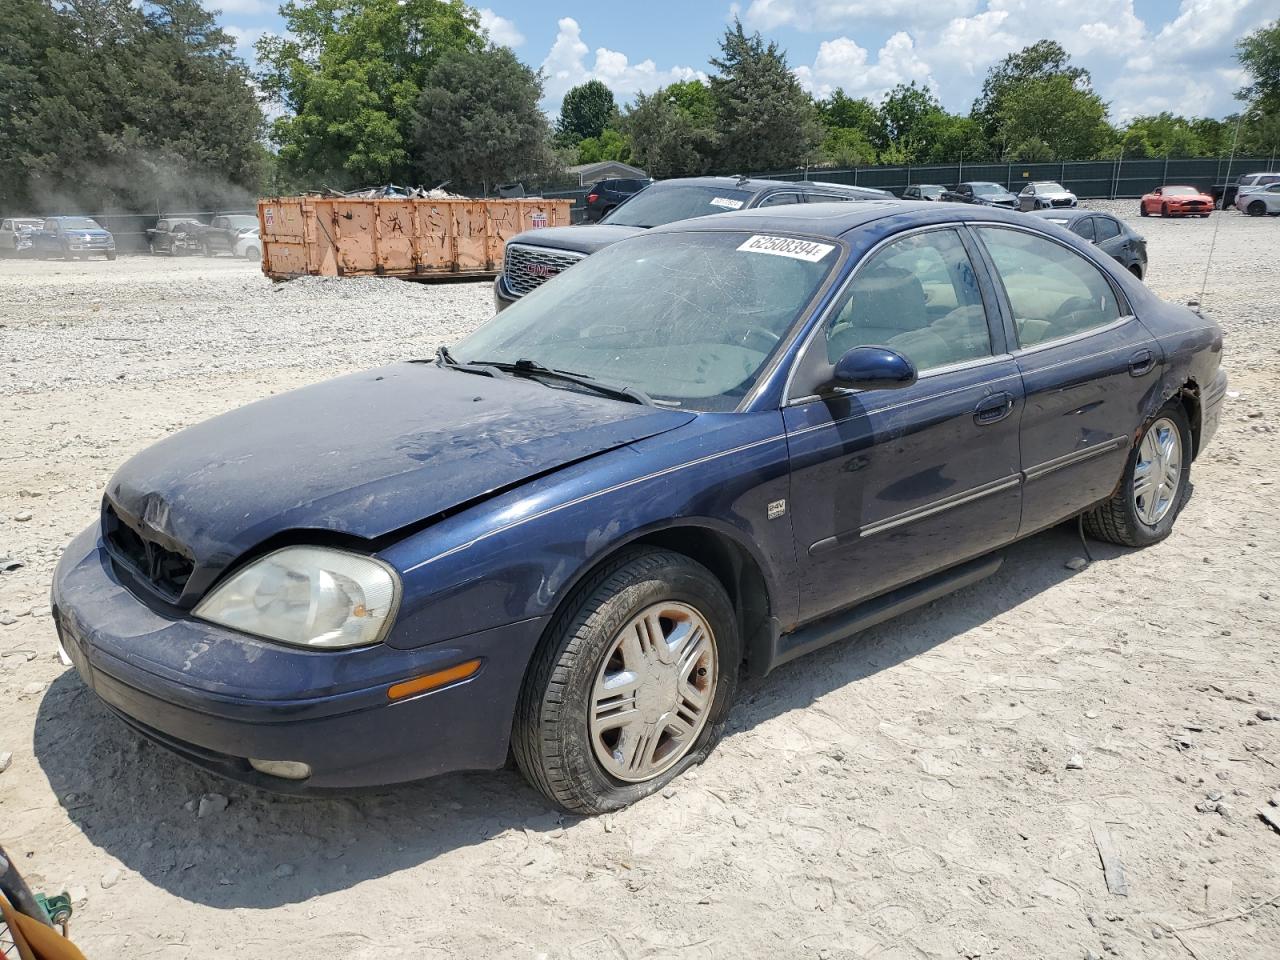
point(654, 692)
point(1157, 473)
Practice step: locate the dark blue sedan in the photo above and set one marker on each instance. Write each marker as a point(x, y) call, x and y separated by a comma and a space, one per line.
point(721, 444)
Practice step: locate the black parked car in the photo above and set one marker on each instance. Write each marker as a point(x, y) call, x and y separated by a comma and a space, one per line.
point(607, 194)
point(532, 258)
point(982, 193)
point(1114, 237)
point(924, 191)
point(175, 236)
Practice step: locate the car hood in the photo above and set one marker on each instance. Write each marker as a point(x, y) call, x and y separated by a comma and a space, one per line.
point(363, 455)
point(1057, 195)
point(587, 238)
point(88, 232)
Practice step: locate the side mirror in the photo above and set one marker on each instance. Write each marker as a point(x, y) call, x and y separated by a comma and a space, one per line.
point(872, 368)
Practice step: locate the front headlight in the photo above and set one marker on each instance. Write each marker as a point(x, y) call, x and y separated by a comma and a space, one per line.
point(308, 597)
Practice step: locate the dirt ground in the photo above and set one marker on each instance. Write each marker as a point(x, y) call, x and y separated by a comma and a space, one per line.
point(929, 790)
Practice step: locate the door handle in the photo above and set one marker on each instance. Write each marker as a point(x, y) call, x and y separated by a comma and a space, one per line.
point(993, 409)
point(1141, 363)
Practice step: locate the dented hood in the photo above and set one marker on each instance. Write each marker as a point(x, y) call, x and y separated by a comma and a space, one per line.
point(363, 455)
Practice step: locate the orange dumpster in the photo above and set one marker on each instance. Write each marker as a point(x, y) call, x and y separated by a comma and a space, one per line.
point(416, 239)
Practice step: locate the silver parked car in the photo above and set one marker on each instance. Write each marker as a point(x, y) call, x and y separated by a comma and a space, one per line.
point(15, 235)
point(1264, 200)
point(1045, 195)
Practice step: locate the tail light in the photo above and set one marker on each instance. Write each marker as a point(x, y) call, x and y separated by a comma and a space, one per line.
point(592, 197)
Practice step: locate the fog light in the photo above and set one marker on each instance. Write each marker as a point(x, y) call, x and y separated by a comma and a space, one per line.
point(285, 769)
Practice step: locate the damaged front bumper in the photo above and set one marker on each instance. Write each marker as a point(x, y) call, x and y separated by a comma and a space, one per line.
point(219, 698)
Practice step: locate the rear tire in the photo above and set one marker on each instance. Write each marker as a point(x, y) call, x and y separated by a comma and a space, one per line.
point(1143, 509)
point(1257, 208)
point(566, 723)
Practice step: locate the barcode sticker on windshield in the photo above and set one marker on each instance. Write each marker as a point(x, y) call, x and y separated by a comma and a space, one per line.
point(727, 202)
point(788, 247)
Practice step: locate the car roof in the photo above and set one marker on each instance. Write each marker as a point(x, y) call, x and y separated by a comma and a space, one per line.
point(838, 218)
point(754, 184)
point(1069, 214)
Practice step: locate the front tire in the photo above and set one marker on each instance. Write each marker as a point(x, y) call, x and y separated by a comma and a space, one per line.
point(1142, 210)
point(1155, 486)
point(1164, 209)
point(631, 685)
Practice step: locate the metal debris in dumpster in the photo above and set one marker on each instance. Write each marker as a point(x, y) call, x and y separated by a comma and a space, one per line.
point(417, 239)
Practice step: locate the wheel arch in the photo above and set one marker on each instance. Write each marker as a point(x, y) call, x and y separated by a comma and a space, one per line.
point(723, 550)
point(1189, 396)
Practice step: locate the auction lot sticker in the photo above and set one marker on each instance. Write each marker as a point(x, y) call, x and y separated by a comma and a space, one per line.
point(788, 247)
point(727, 202)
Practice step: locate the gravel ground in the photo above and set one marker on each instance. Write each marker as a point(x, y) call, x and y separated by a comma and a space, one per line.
point(931, 790)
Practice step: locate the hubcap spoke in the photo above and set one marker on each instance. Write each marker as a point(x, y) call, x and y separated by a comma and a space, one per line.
point(653, 692)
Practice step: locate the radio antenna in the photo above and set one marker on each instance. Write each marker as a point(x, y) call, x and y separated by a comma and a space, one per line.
point(1217, 221)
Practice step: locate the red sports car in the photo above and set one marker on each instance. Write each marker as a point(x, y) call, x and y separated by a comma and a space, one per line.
point(1176, 201)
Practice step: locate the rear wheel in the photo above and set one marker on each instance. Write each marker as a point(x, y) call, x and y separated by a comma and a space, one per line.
point(1257, 208)
point(1143, 509)
point(631, 685)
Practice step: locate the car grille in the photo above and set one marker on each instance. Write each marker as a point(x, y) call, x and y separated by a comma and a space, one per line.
point(524, 269)
point(165, 570)
point(1194, 204)
point(1064, 202)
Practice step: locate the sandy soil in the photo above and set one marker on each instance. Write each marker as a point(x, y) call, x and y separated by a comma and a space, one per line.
point(910, 794)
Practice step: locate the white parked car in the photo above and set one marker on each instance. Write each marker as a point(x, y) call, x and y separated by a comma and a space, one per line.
point(15, 235)
point(1045, 195)
point(248, 245)
point(1264, 200)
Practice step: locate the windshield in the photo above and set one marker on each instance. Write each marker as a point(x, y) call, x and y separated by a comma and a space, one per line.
point(1181, 191)
point(1049, 186)
point(241, 223)
point(984, 189)
point(79, 223)
point(663, 203)
point(689, 319)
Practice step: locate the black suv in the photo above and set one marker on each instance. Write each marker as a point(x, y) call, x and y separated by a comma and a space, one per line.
point(924, 191)
point(982, 193)
point(607, 194)
point(532, 258)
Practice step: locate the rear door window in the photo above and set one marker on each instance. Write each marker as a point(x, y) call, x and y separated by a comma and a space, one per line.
point(1105, 228)
point(1084, 228)
point(777, 199)
point(1053, 291)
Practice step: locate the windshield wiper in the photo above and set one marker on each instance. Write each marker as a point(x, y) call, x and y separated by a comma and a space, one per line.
point(536, 371)
point(444, 358)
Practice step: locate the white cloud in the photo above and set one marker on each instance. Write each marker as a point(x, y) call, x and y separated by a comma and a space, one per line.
point(842, 63)
point(245, 6)
point(823, 15)
point(566, 67)
point(502, 32)
point(244, 38)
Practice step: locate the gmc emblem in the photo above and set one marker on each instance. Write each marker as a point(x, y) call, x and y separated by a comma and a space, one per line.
point(544, 270)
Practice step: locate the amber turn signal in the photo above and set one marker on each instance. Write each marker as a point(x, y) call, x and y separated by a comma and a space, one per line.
point(430, 681)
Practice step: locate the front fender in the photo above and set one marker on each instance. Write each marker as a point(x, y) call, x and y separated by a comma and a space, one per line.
point(518, 555)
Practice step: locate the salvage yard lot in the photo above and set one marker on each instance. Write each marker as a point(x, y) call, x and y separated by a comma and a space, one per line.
point(903, 795)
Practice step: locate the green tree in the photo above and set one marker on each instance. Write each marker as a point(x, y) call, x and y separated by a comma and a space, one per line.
point(765, 119)
point(112, 104)
point(610, 145)
point(1259, 54)
point(907, 116)
point(1053, 119)
point(585, 112)
point(350, 75)
point(1042, 60)
point(671, 132)
point(478, 122)
point(1162, 135)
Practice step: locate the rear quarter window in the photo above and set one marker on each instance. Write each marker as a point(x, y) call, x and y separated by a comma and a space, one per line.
point(1053, 292)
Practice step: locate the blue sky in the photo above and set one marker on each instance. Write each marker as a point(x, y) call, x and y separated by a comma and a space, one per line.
point(1145, 55)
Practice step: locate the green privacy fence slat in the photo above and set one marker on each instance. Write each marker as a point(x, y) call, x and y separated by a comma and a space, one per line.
point(1085, 178)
